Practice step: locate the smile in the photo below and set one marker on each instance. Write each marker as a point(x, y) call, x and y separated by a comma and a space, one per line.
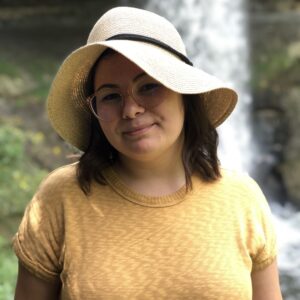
point(138, 130)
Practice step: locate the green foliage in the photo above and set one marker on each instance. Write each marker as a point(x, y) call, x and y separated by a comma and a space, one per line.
point(41, 72)
point(11, 150)
point(41, 69)
point(270, 66)
point(8, 68)
point(30, 78)
point(40, 93)
point(18, 177)
point(8, 271)
point(24, 81)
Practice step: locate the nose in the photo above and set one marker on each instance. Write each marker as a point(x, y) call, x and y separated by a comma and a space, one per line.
point(131, 109)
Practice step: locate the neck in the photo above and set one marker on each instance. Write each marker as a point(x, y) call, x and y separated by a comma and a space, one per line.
point(158, 177)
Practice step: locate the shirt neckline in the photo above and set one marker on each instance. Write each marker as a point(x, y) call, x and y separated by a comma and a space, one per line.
point(123, 190)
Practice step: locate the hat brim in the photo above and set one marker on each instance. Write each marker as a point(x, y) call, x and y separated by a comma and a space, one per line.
point(67, 106)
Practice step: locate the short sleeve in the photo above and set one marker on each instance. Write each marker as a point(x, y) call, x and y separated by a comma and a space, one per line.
point(39, 242)
point(262, 240)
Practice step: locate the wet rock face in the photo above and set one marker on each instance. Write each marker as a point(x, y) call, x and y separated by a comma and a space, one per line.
point(291, 165)
point(275, 38)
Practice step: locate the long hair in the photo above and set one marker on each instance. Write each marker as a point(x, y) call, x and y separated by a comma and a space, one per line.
point(201, 140)
point(199, 155)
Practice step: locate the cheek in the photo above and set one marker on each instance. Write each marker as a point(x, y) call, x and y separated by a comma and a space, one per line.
point(108, 130)
point(179, 116)
point(172, 120)
point(175, 114)
point(172, 107)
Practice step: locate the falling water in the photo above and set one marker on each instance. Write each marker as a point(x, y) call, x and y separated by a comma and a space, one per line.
point(216, 36)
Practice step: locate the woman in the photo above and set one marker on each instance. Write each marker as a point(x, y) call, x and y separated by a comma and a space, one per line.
point(147, 212)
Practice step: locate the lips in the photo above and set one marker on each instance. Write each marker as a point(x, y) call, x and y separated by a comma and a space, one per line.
point(141, 129)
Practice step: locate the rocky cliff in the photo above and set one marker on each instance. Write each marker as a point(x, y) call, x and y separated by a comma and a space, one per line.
point(275, 47)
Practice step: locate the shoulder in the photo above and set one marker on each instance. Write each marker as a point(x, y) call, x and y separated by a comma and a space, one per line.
point(254, 216)
point(65, 173)
point(230, 181)
point(63, 176)
point(58, 184)
point(238, 180)
point(234, 188)
point(39, 242)
point(244, 189)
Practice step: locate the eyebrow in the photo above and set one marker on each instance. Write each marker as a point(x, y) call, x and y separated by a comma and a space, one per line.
point(110, 85)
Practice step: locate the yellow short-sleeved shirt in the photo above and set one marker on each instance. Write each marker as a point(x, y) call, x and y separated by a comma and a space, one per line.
point(117, 244)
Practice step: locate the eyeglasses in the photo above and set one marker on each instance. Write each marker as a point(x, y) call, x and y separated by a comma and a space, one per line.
point(107, 103)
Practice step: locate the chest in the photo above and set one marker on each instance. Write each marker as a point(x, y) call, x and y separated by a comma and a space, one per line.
point(153, 254)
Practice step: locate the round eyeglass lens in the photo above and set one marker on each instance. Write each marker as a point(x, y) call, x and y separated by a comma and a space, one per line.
point(148, 92)
point(107, 103)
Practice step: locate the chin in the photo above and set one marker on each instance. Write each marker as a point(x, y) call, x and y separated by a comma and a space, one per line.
point(142, 153)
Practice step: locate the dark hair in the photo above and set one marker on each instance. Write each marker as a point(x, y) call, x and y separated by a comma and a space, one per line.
point(201, 140)
point(199, 153)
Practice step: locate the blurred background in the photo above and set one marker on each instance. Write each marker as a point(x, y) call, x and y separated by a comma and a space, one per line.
point(255, 45)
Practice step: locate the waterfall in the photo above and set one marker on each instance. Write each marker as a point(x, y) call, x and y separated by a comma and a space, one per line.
point(215, 33)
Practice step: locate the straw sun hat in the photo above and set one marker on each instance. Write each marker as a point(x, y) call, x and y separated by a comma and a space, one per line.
point(149, 41)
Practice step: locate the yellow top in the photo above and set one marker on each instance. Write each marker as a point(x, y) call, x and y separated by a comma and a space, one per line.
point(117, 244)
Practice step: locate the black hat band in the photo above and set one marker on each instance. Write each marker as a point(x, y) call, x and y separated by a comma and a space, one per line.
point(142, 38)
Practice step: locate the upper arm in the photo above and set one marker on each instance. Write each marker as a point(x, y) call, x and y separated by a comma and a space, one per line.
point(39, 243)
point(33, 288)
point(265, 283)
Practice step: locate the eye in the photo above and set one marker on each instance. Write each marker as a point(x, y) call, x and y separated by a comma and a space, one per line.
point(113, 97)
point(149, 88)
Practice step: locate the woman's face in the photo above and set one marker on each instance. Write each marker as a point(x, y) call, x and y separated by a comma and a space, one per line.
point(139, 133)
